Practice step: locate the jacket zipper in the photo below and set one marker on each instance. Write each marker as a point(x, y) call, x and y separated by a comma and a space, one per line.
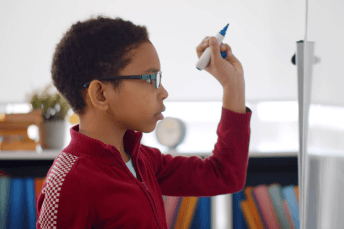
point(154, 208)
point(151, 197)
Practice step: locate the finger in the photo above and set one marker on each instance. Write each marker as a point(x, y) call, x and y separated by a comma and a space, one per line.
point(205, 39)
point(202, 47)
point(215, 50)
point(232, 59)
point(222, 47)
point(226, 48)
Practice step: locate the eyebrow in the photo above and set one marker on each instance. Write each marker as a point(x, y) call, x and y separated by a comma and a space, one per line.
point(151, 70)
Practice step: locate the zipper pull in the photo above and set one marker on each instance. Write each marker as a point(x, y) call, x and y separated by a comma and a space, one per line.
point(145, 186)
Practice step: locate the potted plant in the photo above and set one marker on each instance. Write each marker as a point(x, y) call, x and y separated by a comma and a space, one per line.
point(54, 110)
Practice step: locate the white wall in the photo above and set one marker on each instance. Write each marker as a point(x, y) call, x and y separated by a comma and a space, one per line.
point(262, 35)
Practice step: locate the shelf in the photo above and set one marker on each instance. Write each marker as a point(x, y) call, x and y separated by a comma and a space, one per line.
point(52, 154)
point(29, 155)
point(262, 168)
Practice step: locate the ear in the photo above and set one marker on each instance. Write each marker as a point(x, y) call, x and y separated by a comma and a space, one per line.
point(98, 93)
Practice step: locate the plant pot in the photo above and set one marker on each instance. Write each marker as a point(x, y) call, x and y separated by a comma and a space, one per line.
point(52, 134)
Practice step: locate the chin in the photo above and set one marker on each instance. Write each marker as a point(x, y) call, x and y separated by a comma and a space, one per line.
point(147, 129)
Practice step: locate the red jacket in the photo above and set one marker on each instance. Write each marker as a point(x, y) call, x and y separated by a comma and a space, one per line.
point(90, 186)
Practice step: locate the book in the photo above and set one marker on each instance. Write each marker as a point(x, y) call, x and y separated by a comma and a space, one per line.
point(202, 214)
point(13, 130)
point(286, 209)
point(39, 181)
point(264, 203)
point(30, 206)
point(247, 214)
point(253, 208)
point(189, 212)
point(289, 195)
point(238, 217)
point(297, 194)
point(181, 212)
point(4, 197)
point(276, 197)
point(16, 213)
point(34, 116)
point(171, 208)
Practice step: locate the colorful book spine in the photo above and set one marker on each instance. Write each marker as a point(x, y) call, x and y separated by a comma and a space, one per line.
point(276, 197)
point(39, 181)
point(4, 200)
point(201, 219)
point(172, 204)
point(181, 212)
point(238, 216)
point(289, 195)
point(290, 219)
point(17, 203)
point(30, 200)
point(189, 212)
point(267, 210)
point(248, 215)
point(16, 214)
point(271, 203)
point(253, 208)
point(297, 193)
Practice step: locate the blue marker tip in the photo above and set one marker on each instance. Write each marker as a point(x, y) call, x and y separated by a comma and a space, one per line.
point(223, 32)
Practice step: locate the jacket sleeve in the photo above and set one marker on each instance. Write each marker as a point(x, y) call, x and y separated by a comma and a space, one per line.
point(63, 204)
point(222, 172)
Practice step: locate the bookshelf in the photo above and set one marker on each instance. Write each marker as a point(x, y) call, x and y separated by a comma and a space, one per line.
point(261, 165)
point(263, 168)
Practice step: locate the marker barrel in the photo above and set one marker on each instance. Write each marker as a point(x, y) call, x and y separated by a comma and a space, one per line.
point(204, 60)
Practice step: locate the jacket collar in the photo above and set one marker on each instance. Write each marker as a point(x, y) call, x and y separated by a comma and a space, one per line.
point(84, 146)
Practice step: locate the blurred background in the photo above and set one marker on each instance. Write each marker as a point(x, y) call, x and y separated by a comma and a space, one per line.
point(261, 34)
point(297, 104)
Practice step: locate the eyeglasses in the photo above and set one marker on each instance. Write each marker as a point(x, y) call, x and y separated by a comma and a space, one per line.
point(149, 78)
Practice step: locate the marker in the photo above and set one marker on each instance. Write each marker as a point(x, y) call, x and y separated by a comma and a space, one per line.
point(205, 58)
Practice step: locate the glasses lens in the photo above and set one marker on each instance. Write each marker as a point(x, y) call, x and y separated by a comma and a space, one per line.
point(158, 79)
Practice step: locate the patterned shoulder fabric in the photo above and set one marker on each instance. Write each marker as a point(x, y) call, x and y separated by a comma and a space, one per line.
point(54, 181)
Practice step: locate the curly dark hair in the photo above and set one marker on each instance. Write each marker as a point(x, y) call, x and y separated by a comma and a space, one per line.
point(91, 49)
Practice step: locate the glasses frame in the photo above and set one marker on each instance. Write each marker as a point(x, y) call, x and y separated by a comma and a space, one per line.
point(149, 78)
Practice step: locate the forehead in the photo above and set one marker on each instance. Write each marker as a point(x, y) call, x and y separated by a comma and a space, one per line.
point(143, 58)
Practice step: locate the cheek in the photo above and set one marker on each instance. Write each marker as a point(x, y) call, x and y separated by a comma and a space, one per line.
point(142, 103)
point(148, 104)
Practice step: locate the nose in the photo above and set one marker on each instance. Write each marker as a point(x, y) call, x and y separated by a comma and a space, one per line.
point(163, 90)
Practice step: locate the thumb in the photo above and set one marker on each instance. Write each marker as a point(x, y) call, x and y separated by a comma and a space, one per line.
point(215, 50)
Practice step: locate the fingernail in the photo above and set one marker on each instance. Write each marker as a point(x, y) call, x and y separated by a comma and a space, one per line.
point(229, 52)
point(213, 41)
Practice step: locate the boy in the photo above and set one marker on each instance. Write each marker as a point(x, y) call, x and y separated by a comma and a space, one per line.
point(105, 178)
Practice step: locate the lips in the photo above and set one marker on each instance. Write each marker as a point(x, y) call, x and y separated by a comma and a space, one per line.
point(162, 110)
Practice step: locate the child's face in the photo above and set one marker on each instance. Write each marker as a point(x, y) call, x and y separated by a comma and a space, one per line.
point(135, 106)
